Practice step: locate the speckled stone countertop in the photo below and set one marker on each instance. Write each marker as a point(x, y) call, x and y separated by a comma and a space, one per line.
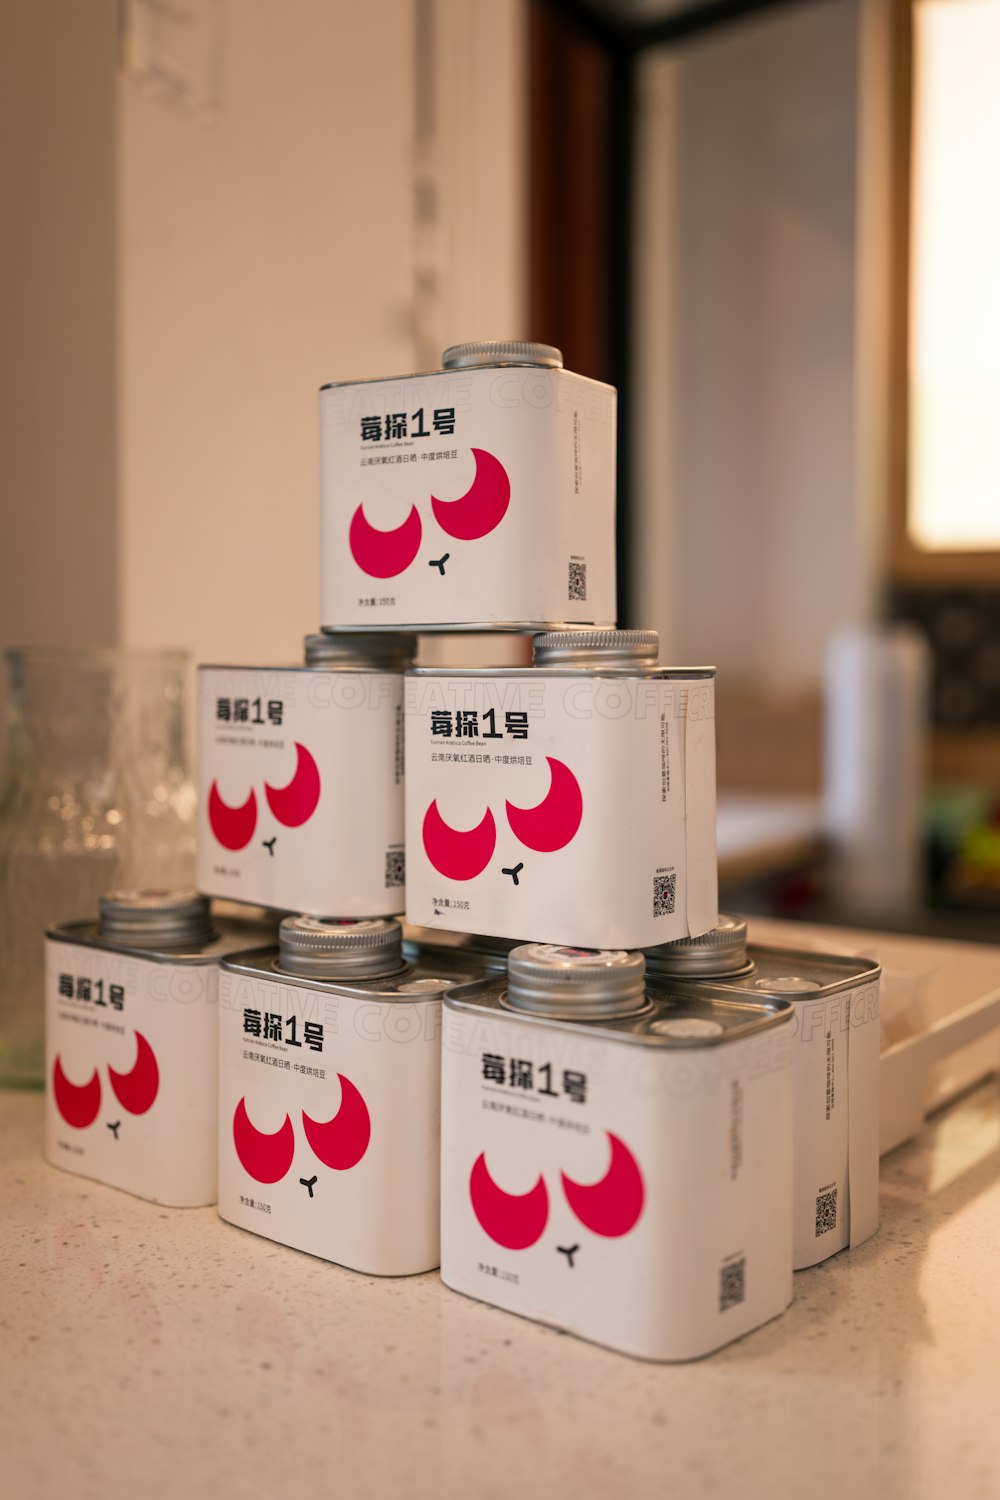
point(148, 1353)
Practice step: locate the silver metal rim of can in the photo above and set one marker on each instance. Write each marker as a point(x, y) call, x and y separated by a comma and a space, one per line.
point(340, 948)
point(150, 917)
point(362, 651)
point(598, 648)
point(501, 352)
point(722, 952)
point(579, 984)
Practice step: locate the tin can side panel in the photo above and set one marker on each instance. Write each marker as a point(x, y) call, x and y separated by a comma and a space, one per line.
point(581, 550)
point(822, 1128)
point(590, 1185)
point(291, 766)
point(328, 1128)
point(700, 795)
point(131, 1072)
point(729, 1109)
point(863, 1064)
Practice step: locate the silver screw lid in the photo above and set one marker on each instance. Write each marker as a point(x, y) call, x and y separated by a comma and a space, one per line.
point(364, 651)
point(501, 352)
point(596, 648)
point(339, 948)
point(575, 983)
point(721, 951)
point(171, 918)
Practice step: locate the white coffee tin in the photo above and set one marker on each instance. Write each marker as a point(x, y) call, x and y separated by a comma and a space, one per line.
point(132, 1059)
point(836, 1070)
point(562, 806)
point(329, 1112)
point(480, 496)
point(300, 787)
point(628, 1181)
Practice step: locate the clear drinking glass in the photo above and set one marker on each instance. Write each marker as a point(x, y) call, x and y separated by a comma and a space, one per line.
point(95, 794)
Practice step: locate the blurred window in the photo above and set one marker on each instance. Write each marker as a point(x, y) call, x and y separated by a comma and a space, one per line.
point(954, 343)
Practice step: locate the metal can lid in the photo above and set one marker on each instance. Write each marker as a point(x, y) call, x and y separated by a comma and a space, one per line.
point(688, 1029)
point(179, 917)
point(721, 951)
point(339, 947)
point(616, 649)
point(363, 650)
point(501, 352)
point(575, 983)
point(786, 984)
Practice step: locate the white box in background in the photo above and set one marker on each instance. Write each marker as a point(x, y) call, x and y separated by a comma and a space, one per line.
point(626, 1178)
point(329, 1095)
point(480, 496)
point(836, 1050)
point(300, 779)
point(131, 1043)
point(569, 803)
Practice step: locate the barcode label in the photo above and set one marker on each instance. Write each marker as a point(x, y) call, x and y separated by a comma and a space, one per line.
point(664, 895)
point(577, 580)
point(733, 1283)
point(826, 1212)
point(395, 868)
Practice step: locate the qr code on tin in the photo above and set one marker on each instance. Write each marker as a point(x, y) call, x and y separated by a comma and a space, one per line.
point(395, 868)
point(577, 579)
point(826, 1212)
point(664, 895)
point(733, 1283)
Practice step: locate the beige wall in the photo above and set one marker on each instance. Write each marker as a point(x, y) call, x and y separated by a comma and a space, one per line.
point(58, 261)
point(178, 281)
point(756, 535)
point(274, 245)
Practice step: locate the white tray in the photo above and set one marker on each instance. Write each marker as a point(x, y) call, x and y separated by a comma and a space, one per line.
point(940, 1015)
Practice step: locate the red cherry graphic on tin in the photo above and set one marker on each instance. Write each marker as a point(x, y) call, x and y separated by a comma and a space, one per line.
point(295, 803)
point(483, 506)
point(459, 854)
point(554, 821)
point(514, 1220)
point(340, 1143)
point(137, 1089)
point(266, 1158)
point(77, 1103)
point(383, 554)
point(232, 826)
point(612, 1206)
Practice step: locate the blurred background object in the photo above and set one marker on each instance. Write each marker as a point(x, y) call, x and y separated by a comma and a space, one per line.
point(96, 794)
point(771, 223)
point(874, 771)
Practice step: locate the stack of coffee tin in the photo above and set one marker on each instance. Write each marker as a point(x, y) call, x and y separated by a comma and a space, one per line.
point(569, 1082)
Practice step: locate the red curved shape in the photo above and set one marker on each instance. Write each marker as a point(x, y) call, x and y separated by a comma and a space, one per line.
point(483, 506)
point(265, 1157)
point(459, 854)
point(77, 1103)
point(232, 826)
point(383, 554)
point(340, 1143)
point(136, 1090)
point(612, 1206)
point(514, 1220)
point(554, 821)
point(295, 803)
